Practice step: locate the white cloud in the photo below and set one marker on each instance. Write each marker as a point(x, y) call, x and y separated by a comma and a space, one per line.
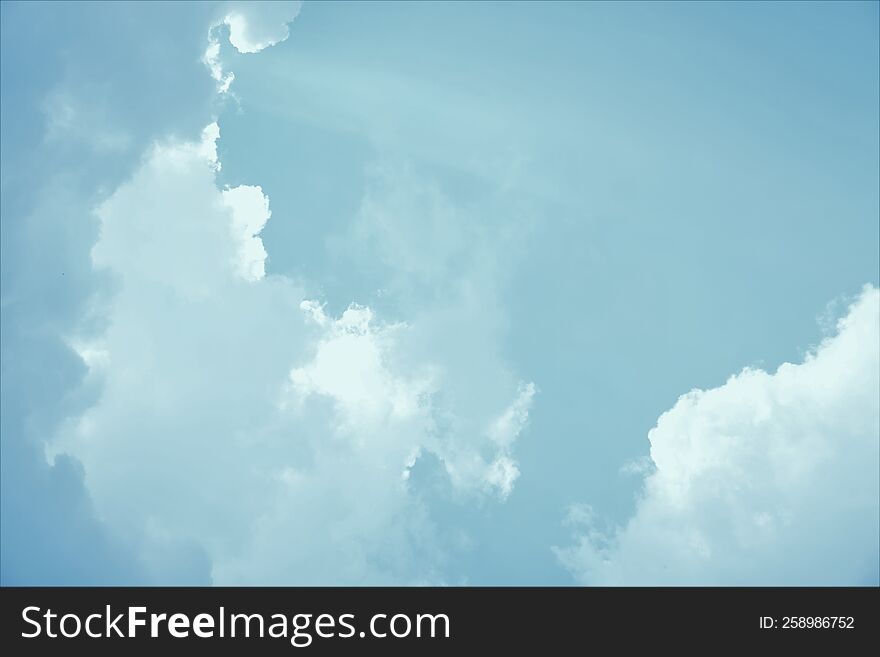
point(240, 421)
point(350, 366)
point(501, 474)
point(250, 212)
point(768, 479)
point(253, 26)
point(446, 263)
point(353, 366)
point(211, 59)
point(256, 26)
point(504, 430)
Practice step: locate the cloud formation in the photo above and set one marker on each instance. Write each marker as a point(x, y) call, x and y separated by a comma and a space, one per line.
point(252, 27)
point(221, 428)
point(238, 422)
point(97, 111)
point(768, 479)
point(250, 212)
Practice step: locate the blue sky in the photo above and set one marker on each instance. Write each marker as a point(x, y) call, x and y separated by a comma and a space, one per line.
point(426, 300)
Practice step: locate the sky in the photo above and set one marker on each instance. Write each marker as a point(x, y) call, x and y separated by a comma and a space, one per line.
point(440, 293)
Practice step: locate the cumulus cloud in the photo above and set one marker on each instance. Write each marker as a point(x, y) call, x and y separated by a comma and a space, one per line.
point(772, 478)
point(445, 264)
point(350, 367)
point(354, 366)
point(250, 212)
point(107, 97)
point(239, 421)
point(252, 27)
point(228, 429)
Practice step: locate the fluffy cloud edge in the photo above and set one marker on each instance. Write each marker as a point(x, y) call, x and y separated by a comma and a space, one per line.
point(767, 479)
point(252, 27)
